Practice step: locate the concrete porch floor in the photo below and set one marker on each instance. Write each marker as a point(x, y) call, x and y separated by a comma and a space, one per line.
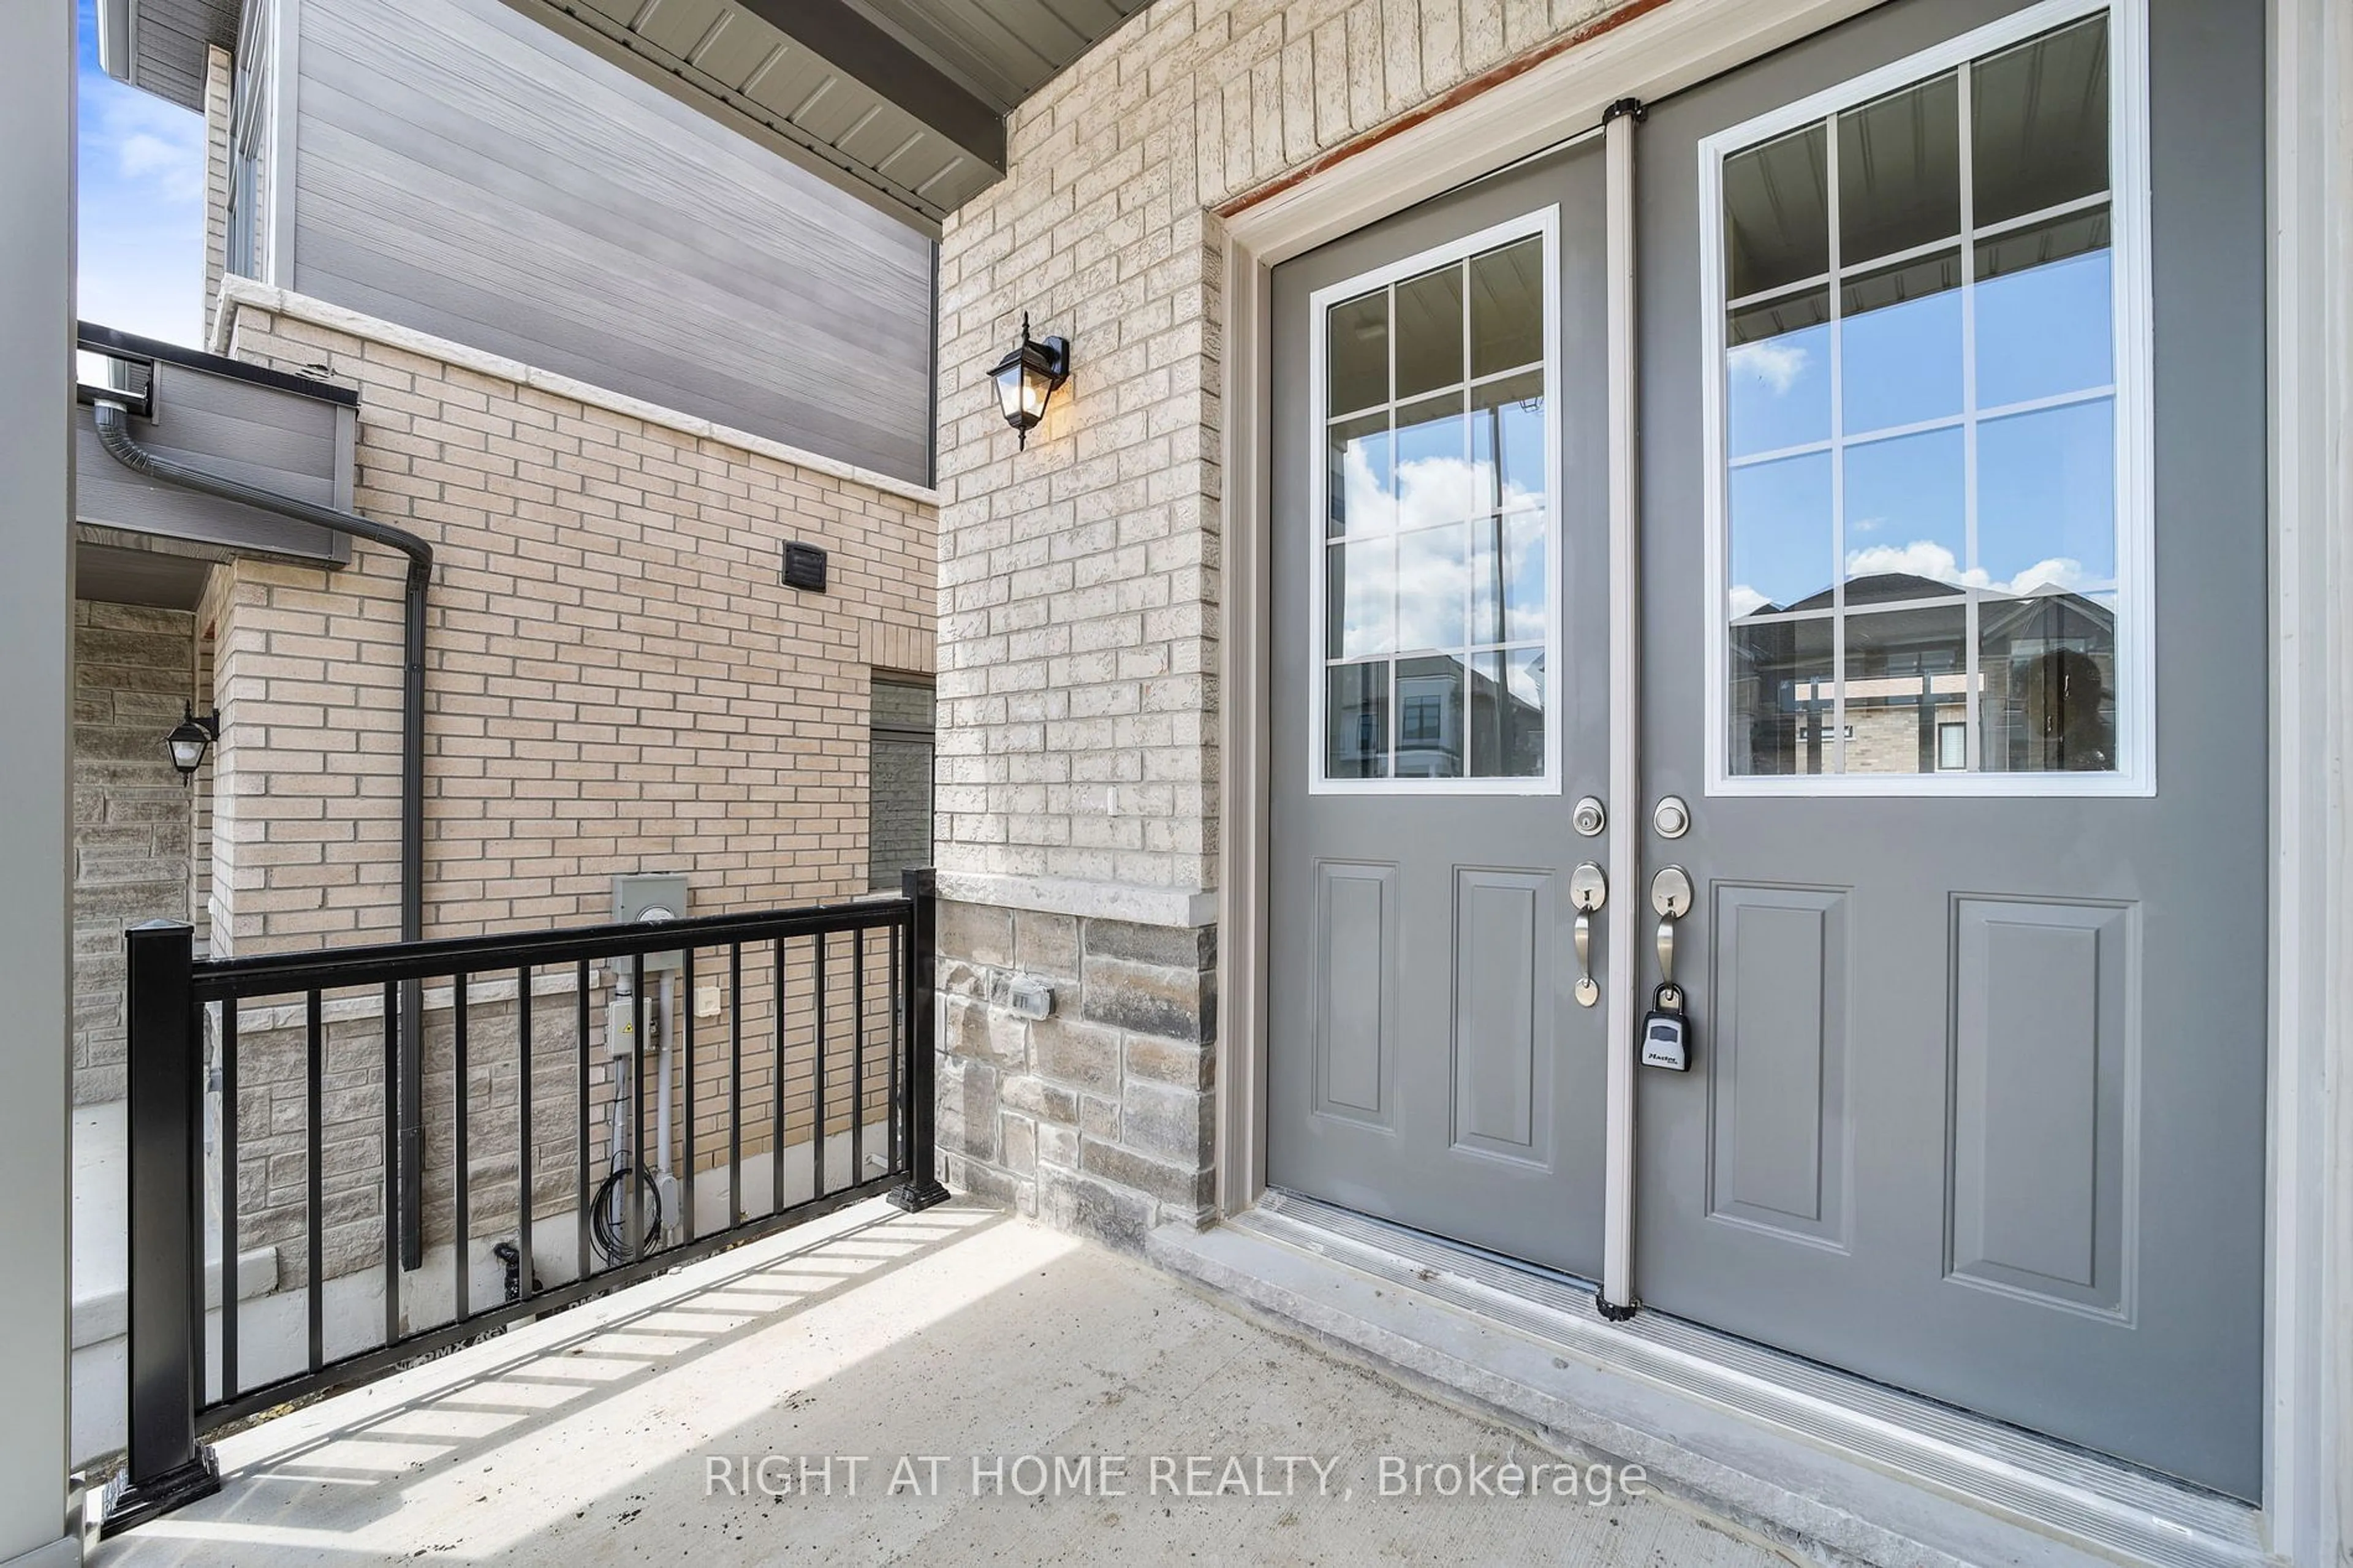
point(589, 1437)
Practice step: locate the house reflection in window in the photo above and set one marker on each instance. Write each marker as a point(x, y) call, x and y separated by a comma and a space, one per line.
point(2045, 675)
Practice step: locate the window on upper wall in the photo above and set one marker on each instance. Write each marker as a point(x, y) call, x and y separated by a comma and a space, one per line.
point(1434, 619)
point(1929, 535)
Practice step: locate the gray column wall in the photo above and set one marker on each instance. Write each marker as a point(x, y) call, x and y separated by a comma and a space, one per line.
point(37, 340)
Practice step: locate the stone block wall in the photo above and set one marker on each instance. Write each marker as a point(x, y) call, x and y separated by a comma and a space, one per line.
point(1097, 1118)
point(134, 817)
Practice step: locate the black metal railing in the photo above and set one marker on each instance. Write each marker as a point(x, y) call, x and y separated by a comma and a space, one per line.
point(827, 1014)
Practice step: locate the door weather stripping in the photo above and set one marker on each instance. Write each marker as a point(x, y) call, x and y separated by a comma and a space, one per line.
point(1616, 1301)
point(113, 420)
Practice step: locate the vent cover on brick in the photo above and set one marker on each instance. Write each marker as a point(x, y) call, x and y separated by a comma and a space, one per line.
point(805, 567)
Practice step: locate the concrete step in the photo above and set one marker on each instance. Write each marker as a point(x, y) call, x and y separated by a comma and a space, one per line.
point(102, 1312)
point(1837, 1479)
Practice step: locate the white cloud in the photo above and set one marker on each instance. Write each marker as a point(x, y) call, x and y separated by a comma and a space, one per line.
point(1921, 557)
point(1925, 558)
point(1773, 363)
point(1746, 601)
point(152, 145)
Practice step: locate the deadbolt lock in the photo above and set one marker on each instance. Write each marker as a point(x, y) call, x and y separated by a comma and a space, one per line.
point(1589, 818)
point(1671, 817)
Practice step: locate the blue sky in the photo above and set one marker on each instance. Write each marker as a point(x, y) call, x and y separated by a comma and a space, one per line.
point(141, 241)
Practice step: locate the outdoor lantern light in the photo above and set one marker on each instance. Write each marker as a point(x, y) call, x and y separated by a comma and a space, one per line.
point(191, 739)
point(1026, 378)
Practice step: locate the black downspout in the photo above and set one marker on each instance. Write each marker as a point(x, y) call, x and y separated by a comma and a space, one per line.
point(113, 422)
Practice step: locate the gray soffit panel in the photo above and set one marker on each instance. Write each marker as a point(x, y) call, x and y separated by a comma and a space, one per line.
point(899, 101)
point(159, 45)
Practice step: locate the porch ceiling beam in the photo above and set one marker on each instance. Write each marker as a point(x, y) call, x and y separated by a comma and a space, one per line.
point(845, 40)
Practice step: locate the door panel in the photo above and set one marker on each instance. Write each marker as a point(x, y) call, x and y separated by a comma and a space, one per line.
point(1976, 1107)
point(1423, 947)
point(2044, 1047)
point(1778, 1114)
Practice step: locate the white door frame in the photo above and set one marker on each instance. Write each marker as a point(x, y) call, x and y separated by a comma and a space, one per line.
point(2308, 1422)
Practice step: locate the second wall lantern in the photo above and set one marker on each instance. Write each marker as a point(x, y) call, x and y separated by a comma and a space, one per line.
point(1027, 377)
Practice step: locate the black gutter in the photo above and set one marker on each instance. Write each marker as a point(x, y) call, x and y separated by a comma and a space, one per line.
point(113, 422)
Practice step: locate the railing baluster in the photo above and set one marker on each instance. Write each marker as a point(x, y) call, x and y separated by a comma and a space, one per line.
point(586, 1260)
point(460, 1253)
point(858, 1055)
point(633, 1237)
point(816, 1075)
point(392, 1162)
point(316, 1053)
point(776, 1097)
point(734, 1083)
point(524, 1266)
point(228, 1199)
point(686, 986)
point(923, 1187)
point(898, 1149)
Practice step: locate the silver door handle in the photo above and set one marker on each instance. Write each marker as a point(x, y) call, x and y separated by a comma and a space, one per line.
point(1588, 890)
point(1671, 896)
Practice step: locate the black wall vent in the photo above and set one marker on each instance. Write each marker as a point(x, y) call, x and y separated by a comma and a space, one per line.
point(805, 567)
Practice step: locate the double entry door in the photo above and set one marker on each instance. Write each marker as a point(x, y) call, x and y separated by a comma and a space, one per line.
point(1947, 705)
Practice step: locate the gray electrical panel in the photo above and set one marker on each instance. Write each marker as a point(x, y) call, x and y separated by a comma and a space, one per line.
point(650, 895)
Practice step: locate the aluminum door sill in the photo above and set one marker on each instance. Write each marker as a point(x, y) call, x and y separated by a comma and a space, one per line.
point(1835, 1463)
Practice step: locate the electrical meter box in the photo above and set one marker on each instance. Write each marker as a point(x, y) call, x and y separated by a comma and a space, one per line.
point(650, 896)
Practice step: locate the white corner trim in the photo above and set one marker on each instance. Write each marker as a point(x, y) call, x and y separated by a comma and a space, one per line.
point(238, 293)
point(1086, 899)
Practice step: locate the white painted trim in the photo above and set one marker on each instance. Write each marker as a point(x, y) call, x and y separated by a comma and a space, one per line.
point(1244, 732)
point(1088, 901)
point(1624, 373)
point(2136, 776)
point(1544, 222)
point(2308, 1284)
point(285, 88)
point(238, 293)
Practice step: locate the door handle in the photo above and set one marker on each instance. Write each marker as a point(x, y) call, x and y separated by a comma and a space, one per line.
point(1671, 896)
point(1588, 890)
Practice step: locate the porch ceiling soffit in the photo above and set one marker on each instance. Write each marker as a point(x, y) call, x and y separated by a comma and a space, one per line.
point(159, 46)
point(901, 102)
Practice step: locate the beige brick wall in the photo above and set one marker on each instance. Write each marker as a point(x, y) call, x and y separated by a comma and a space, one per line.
point(1079, 579)
point(618, 680)
point(219, 84)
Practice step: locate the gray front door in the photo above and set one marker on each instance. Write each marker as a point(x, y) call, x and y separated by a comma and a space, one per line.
point(1953, 650)
point(1954, 634)
point(1439, 572)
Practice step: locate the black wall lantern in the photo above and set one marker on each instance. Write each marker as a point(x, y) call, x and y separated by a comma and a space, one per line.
point(192, 738)
point(1027, 377)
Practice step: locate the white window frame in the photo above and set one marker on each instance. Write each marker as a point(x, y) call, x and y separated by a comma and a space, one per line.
point(1545, 222)
point(2136, 773)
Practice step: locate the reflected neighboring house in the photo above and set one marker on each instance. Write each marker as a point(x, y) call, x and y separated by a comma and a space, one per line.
point(2046, 680)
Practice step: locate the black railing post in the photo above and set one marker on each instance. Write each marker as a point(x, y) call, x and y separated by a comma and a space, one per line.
point(166, 1465)
point(921, 953)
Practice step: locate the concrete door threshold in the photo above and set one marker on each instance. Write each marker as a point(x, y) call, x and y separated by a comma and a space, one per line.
point(1841, 1469)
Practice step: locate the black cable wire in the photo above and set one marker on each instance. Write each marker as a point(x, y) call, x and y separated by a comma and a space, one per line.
point(609, 1220)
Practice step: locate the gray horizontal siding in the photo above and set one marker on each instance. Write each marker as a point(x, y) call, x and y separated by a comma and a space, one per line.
point(465, 172)
point(278, 441)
